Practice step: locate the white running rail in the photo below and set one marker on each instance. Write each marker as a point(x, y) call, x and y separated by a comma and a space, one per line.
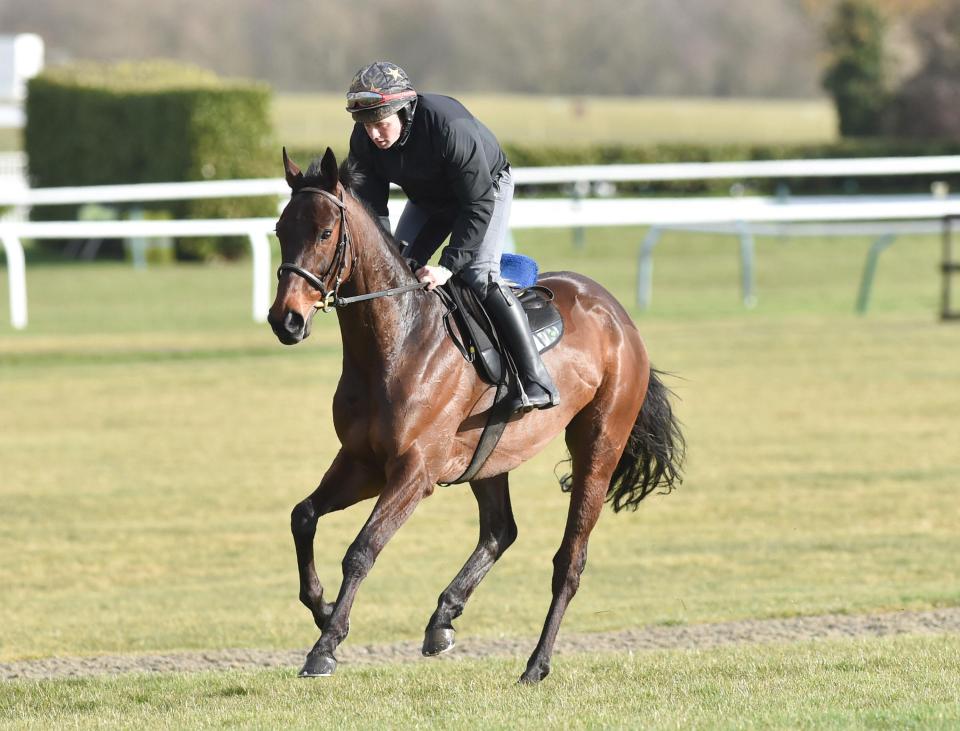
point(536, 213)
point(18, 194)
point(526, 214)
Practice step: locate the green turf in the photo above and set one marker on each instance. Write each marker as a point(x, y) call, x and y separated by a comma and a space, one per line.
point(153, 441)
point(901, 683)
point(314, 121)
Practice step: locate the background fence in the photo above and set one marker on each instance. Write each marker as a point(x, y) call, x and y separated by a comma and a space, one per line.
point(916, 212)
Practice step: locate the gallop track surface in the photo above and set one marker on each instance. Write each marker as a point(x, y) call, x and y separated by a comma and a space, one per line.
point(699, 636)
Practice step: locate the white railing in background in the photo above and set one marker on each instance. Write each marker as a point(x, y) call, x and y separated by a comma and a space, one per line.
point(834, 168)
point(526, 214)
point(564, 213)
point(142, 192)
point(255, 229)
point(21, 195)
point(535, 213)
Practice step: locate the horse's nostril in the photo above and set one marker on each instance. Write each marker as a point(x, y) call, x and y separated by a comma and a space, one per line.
point(293, 322)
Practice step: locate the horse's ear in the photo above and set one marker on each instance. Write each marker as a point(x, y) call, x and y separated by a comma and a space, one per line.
point(291, 171)
point(328, 170)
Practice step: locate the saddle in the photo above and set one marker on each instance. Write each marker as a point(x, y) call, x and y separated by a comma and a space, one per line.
point(478, 341)
point(479, 344)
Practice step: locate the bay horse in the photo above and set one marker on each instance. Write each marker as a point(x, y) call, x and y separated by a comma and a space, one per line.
point(408, 411)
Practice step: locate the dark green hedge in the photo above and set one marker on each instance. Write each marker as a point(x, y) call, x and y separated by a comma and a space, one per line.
point(97, 124)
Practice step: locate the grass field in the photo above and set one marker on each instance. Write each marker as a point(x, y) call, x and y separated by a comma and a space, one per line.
point(153, 441)
point(306, 121)
point(901, 683)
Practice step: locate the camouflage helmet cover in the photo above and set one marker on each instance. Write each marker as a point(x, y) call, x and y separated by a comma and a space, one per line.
point(382, 77)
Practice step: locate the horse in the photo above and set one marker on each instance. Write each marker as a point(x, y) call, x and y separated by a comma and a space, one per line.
point(408, 410)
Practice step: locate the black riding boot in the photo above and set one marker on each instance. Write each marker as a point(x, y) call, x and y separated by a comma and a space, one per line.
point(537, 388)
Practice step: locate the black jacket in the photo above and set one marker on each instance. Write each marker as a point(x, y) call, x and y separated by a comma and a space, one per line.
point(446, 165)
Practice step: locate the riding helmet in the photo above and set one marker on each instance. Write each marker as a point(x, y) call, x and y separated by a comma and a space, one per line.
point(378, 90)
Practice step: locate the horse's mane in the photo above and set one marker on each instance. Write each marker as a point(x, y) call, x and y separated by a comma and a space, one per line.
point(351, 178)
point(350, 174)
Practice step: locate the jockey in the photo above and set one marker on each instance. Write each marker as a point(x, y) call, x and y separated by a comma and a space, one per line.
point(458, 184)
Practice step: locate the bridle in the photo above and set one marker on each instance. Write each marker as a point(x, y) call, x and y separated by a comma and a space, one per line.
point(338, 263)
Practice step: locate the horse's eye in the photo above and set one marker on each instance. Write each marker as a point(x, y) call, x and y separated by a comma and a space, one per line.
point(326, 233)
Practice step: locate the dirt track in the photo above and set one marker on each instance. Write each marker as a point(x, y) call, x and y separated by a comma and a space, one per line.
point(696, 636)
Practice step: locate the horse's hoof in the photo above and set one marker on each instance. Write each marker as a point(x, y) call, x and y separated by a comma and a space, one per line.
point(318, 666)
point(438, 641)
point(534, 675)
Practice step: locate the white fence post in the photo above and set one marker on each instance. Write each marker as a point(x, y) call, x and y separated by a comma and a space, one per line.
point(260, 248)
point(645, 270)
point(746, 264)
point(17, 276)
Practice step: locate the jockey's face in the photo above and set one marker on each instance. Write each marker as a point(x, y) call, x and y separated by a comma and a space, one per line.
point(385, 132)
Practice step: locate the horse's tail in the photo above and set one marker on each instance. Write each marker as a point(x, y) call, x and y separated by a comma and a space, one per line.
point(654, 454)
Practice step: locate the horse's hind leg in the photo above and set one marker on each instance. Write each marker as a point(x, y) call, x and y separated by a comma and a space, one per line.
point(595, 440)
point(497, 531)
point(345, 483)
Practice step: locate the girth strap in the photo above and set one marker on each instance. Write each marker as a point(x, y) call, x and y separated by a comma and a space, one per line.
point(499, 416)
point(501, 408)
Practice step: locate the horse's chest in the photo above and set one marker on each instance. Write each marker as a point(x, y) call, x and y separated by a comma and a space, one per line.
point(364, 416)
point(351, 414)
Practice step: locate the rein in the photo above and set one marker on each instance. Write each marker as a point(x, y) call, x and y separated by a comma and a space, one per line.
point(344, 301)
point(339, 260)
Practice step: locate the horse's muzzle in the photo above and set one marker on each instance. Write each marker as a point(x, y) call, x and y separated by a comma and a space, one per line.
point(291, 328)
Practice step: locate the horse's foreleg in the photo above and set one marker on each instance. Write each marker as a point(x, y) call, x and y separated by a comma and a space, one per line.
point(345, 483)
point(497, 531)
point(406, 486)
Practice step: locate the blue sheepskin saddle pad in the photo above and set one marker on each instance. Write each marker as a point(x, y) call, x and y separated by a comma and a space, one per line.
point(518, 270)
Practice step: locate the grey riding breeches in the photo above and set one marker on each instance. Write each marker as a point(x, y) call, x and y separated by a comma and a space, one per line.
point(425, 231)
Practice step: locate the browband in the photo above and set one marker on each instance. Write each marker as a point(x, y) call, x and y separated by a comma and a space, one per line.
point(322, 192)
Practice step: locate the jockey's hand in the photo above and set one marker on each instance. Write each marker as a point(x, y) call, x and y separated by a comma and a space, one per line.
point(433, 276)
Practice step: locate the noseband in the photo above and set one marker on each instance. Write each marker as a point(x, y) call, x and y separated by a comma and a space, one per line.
point(338, 262)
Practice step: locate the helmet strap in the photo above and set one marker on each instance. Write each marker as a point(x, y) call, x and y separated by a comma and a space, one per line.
point(406, 117)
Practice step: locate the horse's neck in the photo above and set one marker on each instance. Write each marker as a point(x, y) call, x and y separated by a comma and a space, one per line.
point(379, 330)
